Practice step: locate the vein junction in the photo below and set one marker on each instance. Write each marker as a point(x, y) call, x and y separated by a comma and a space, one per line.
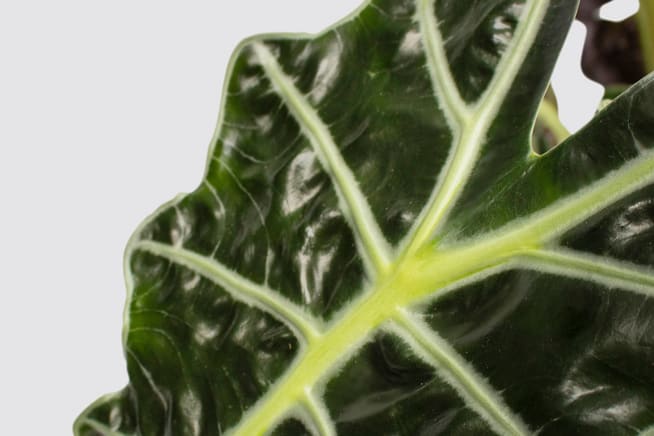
point(412, 279)
point(373, 246)
point(420, 271)
point(470, 124)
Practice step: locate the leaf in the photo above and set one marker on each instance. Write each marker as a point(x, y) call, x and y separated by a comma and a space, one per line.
point(375, 248)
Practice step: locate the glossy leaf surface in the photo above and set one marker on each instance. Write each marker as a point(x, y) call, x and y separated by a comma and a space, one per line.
point(376, 249)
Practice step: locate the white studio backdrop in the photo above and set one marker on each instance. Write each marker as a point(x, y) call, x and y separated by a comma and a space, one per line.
point(106, 111)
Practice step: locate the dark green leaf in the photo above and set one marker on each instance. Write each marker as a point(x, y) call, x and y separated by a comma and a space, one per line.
point(376, 249)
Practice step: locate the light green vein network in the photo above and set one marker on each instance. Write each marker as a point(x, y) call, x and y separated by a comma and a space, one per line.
point(239, 287)
point(375, 249)
point(478, 395)
point(527, 243)
point(472, 122)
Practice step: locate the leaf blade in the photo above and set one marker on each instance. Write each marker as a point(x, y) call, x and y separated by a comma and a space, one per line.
point(375, 100)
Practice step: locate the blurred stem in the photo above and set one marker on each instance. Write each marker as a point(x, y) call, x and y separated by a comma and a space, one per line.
point(547, 114)
point(645, 18)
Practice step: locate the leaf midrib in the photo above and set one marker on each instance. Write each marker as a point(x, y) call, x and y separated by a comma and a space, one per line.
point(426, 273)
point(379, 305)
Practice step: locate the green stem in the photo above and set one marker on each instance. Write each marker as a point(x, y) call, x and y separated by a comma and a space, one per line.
point(547, 114)
point(645, 19)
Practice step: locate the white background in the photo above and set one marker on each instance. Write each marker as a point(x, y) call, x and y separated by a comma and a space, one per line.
point(106, 111)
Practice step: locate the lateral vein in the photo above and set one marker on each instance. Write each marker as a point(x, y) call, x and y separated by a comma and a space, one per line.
point(571, 263)
point(373, 246)
point(101, 428)
point(454, 370)
point(319, 414)
point(445, 87)
point(239, 287)
point(469, 141)
point(554, 220)
point(510, 64)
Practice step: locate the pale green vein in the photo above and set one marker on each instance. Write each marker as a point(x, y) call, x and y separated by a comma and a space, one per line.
point(554, 220)
point(647, 432)
point(324, 426)
point(100, 428)
point(148, 377)
point(445, 87)
point(239, 287)
point(453, 368)
point(598, 269)
point(510, 64)
point(465, 153)
point(374, 247)
point(127, 257)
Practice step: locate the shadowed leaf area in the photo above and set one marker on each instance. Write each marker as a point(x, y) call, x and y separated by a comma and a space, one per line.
point(612, 52)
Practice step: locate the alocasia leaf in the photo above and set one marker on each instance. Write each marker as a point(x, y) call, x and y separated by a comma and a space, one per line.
point(375, 249)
